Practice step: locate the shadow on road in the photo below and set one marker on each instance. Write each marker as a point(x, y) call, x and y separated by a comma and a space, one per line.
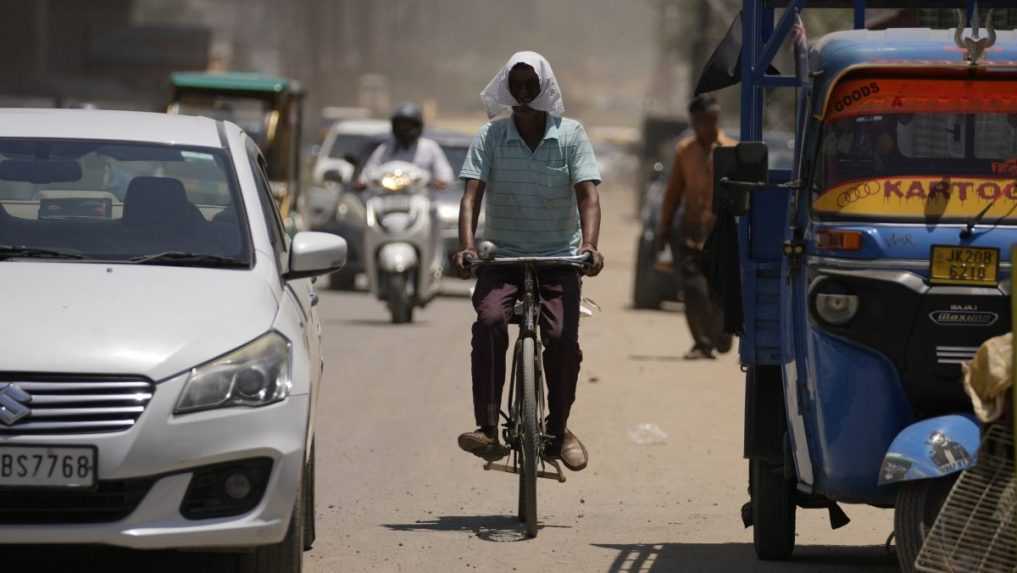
point(79, 559)
point(494, 528)
point(647, 358)
point(724, 557)
point(379, 322)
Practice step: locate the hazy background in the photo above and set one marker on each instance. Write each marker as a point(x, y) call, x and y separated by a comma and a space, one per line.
point(617, 60)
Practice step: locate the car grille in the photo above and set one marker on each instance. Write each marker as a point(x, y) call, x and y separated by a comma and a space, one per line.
point(31, 405)
point(109, 501)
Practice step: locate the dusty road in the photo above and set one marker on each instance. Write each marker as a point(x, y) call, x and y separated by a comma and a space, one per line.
point(395, 494)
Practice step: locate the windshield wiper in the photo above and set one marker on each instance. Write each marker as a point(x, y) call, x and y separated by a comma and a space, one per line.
point(970, 227)
point(182, 258)
point(23, 252)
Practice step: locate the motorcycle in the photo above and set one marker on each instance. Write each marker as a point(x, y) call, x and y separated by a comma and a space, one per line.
point(402, 240)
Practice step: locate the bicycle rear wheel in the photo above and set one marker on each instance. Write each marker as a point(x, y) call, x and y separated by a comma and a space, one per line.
point(529, 439)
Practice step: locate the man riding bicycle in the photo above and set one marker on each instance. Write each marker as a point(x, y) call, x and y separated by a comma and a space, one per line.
point(539, 175)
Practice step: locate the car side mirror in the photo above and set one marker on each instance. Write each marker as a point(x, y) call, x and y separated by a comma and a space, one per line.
point(313, 254)
point(737, 172)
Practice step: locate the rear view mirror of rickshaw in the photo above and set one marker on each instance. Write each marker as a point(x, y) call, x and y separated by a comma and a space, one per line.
point(738, 171)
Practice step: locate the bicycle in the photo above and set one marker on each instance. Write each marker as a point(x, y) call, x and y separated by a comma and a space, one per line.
point(524, 427)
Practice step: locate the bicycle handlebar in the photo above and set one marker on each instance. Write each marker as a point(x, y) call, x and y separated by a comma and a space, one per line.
point(578, 261)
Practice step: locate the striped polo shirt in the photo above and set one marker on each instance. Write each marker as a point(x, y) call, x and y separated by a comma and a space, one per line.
point(530, 202)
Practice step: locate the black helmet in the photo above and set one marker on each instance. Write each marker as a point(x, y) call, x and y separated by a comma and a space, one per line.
point(409, 111)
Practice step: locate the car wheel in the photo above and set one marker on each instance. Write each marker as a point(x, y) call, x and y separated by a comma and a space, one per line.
point(286, 556)
point(310, 514)
point(645, 291)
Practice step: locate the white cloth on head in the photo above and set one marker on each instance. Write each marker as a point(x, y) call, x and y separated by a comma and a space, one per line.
point(497, 97)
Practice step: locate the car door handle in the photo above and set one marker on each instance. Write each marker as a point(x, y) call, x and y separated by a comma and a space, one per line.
point(314, 298)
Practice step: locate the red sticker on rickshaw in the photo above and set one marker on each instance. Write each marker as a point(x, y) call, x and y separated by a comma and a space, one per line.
point(868, 96)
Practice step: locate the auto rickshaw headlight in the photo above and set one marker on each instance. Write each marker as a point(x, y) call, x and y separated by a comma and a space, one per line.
point(835, 304)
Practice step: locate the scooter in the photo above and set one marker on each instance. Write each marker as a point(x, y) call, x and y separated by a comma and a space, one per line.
point(403, 251)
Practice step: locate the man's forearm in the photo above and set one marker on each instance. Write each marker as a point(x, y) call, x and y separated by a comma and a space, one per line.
point(469, 214)
point(589, 213)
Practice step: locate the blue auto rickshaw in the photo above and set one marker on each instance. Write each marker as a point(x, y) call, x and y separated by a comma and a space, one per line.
point(872, 270)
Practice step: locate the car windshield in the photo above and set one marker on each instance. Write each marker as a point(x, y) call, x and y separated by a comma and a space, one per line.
point(253, 115)
point(98, 200)
point(354, 147)
point(932, 160)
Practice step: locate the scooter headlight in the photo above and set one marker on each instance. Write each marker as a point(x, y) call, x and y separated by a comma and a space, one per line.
point(256, 374)
point(835, 304)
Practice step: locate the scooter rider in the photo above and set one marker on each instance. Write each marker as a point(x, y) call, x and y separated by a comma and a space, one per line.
point(537, 176)
point(407, 144)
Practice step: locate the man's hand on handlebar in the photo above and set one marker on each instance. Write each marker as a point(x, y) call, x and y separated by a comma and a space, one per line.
point(596, 260)
point(462, 261)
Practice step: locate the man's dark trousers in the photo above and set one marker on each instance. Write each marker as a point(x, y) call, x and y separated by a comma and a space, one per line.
point(494, 298)
point(703, 311)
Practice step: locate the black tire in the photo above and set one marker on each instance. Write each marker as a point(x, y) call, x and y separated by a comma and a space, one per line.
point(773, 511)
point(310, 515)
point(284, 557)
point(918, 505)
point(526, 385)
point(399, 304)
point(646, 290)
point(342, 280)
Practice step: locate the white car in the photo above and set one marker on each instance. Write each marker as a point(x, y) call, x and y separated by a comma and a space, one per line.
point(346, 146)
point(160, 356)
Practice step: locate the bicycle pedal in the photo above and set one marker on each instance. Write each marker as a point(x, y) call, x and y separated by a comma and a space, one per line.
point(491, 466)
point(557, 475)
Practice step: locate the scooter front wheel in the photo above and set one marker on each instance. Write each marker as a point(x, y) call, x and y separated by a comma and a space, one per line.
point(399, 304)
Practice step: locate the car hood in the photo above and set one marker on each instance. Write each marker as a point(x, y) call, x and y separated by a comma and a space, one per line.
point(153, 321)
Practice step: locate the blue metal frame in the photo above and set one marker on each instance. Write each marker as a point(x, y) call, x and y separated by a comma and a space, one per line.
point(843, 464)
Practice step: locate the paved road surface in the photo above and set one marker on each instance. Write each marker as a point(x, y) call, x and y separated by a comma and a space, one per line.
point(395, 494)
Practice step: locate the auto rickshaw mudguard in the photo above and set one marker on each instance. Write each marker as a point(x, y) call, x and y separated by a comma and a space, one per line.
point(932, 448)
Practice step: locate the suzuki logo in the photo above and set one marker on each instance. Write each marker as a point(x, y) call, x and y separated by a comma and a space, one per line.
point(12, 404)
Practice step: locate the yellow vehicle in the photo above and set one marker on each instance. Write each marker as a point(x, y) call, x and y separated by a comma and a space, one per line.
point(268, 108)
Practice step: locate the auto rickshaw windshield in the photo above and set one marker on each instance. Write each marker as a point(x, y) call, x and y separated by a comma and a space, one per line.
point(908, 159)
point(255, 116)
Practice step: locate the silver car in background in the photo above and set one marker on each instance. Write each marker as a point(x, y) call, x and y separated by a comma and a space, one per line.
point(161, 360)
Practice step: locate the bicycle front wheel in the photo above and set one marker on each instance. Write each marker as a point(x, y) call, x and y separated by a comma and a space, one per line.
point(529, 439)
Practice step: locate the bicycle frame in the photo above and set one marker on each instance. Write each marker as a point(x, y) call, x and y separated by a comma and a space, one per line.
point(528, 329)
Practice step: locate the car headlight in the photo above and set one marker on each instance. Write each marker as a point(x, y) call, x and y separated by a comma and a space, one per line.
point(256, 374)
point(835, 304)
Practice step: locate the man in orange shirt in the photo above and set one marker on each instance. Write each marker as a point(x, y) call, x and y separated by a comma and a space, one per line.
point(691, 184)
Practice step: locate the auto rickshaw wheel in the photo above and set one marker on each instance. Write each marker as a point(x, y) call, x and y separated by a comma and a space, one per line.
point(918, 505)
point(773, 511)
